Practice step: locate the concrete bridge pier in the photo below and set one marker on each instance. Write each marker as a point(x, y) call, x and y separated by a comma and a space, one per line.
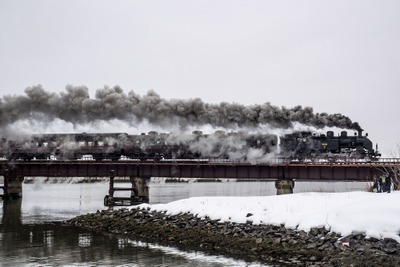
point(284, 186)
point(140, 192)
point(12, 187)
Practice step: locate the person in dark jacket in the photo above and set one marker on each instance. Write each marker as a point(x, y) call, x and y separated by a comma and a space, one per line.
point(375, 185)
point(381, 181)
point(388, 183)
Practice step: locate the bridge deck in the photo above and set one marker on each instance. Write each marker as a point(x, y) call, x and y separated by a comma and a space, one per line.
point(349, 171)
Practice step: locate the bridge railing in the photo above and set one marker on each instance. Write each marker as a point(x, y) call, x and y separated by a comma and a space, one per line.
point(319, 161)
point(304, 161)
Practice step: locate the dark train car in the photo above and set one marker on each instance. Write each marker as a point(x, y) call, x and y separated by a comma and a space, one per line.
point(267, 143)
point(233, 146)
point(28, 149)
point(158, 146)
point(62, 146)
point(99, 146)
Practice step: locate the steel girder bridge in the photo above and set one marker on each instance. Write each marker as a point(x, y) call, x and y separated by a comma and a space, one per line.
point(283, 172)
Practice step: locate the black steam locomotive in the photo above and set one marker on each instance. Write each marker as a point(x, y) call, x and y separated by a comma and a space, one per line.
point(233, 146)
point(307, 144)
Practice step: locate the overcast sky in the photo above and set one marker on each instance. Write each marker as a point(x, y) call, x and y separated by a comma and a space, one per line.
point(335, 56)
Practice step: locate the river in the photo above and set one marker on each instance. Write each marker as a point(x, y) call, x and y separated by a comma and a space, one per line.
point(28, 236)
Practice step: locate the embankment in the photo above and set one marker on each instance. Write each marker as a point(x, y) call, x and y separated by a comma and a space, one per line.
point(269, 244)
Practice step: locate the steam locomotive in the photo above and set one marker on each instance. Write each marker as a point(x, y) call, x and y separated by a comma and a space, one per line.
point(234, 146)
point(307, 144)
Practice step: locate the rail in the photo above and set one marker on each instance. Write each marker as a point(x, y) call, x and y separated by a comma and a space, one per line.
point(281, 161)
point(285, 161)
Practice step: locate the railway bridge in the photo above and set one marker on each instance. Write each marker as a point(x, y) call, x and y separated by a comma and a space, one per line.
point(282, 171)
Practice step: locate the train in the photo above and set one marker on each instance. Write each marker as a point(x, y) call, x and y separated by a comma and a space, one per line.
point(221, 145)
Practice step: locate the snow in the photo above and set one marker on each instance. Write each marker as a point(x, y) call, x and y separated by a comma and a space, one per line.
point(374, 214)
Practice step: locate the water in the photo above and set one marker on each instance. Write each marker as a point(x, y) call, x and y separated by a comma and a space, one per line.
point(28, 239)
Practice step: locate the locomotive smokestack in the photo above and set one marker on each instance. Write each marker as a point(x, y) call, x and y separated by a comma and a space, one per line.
point(77, 107)
point(356, 127)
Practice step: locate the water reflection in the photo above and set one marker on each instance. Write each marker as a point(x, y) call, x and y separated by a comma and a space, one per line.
point(27, 240)
point(54, 244)
point(11, 213)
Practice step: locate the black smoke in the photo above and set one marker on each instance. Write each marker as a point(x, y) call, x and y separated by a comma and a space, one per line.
point(76, 106)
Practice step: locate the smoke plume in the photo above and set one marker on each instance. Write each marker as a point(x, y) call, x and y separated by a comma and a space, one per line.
point(77, 107)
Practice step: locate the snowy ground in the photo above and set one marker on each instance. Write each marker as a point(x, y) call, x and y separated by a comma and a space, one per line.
point(374, 214)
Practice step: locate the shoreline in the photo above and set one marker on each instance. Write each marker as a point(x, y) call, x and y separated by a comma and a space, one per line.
point(268, 244)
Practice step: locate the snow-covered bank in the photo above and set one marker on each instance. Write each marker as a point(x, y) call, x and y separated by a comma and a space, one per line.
point(374, 214)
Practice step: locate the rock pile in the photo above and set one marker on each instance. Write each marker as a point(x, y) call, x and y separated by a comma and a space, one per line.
point(269, 244)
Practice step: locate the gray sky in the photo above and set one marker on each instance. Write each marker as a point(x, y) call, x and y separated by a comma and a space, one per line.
point(334, 56)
